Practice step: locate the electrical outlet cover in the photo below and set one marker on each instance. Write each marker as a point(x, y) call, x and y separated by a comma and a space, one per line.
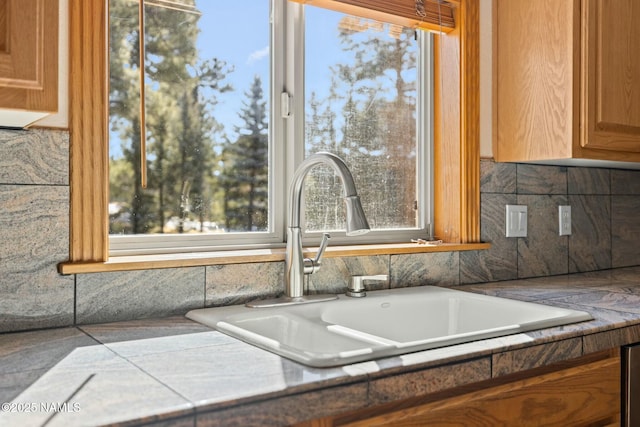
point(564, 220)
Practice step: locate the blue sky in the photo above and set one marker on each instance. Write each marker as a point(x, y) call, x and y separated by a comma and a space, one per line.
point(246, 46)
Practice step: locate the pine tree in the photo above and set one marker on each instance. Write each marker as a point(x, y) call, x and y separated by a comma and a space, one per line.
point(245, 176)
point(180, 95)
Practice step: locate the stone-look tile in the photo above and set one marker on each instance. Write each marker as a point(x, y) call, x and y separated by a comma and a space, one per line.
point(543, 252)
point(188, 421)
point(335, 274)
point(529, 289)
point(215, 369)
point(102, 388)
point(500, 261)
point(592, 279)
point(625, 182)
point(26, 356)
point(630, 274)
point(590, 240)
point(34, 227)
point(509, 362)
point(238, 283)
point(171, 344)
point(435, 268)
point(34, 157)
point(39, 349)
point(618, 281)
point(12, 384)
point(536, 179)
point(553, 334)
point(286, 411)
point(623, 302)
point(589, 181)
point(128, 295)
point(625, 231)
point(611, 339)
point(603, 319)
point(143, 329)
point(427, 381)
point(497, 177)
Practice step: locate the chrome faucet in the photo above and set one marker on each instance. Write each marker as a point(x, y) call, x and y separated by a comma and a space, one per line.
point(296, 266)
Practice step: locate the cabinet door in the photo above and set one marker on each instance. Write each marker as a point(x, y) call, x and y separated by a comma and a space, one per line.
point(536, 67)
point(29, 55)
point(611, 75)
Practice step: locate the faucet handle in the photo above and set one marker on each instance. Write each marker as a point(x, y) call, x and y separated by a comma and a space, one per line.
point(357, 284)
point(323, 245)
point(312, 265)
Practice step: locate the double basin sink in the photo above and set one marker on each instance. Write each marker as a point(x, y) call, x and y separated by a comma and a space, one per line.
point(384, 323)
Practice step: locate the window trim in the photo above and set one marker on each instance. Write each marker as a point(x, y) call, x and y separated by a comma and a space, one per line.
point(456, 140)
point(88, 120)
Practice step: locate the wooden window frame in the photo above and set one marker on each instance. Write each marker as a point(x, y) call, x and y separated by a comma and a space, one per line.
point(456, 149)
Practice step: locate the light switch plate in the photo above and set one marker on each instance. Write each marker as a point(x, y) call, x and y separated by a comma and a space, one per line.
point(564, 220)
point(516, 221)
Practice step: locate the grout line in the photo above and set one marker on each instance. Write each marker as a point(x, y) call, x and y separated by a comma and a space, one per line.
point(610, 220)
point(75, 300)
point(517, 272)
point(36, 184)
point(204, 299)
point(389, 272)
point(155, 378)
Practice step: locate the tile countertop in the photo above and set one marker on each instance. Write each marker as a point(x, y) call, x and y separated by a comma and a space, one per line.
point(176, 372)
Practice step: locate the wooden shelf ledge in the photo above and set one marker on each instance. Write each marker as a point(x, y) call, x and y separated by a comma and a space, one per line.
point(198, 259)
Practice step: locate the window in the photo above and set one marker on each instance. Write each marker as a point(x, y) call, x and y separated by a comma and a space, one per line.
point(455, 159)
point(220, 133)
point(366, 102)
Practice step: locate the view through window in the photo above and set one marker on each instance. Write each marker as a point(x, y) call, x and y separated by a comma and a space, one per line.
point(209, 122)
point(361, 104)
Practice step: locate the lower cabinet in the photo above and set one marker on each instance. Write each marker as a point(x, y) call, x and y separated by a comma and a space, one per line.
point(584, 393)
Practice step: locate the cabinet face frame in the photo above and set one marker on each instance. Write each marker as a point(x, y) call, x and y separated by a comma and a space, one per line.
point(610, 111)
point(29, 55)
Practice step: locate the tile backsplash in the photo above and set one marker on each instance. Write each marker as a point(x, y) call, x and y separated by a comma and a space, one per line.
point(34, 238)
point(34, 230)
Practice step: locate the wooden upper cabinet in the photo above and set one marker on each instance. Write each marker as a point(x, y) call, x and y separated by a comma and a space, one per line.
point(566, 80)
point(612, 75)
point(28, 58)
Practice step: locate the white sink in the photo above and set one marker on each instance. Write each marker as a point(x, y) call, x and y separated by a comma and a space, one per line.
point(383, 323)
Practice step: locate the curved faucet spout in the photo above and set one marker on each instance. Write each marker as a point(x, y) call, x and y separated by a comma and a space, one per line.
point(359, 225)
point(356, 220)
